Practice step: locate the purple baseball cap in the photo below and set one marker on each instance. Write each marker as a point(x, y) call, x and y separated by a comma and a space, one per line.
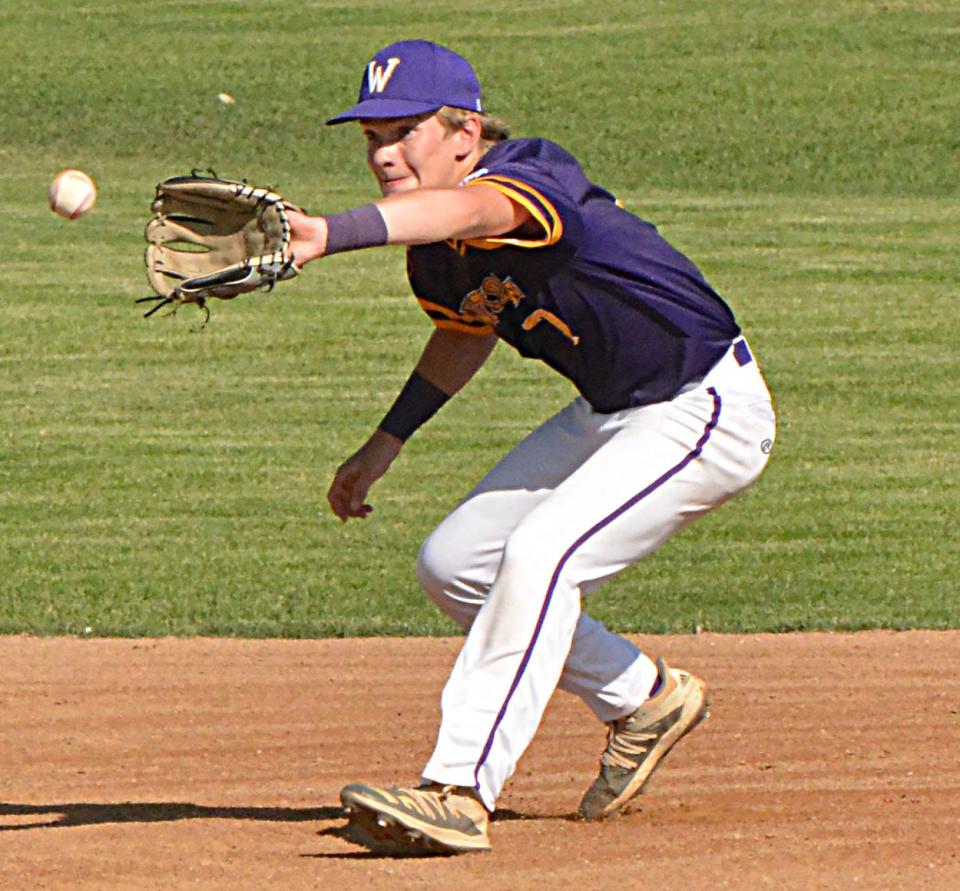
point(413, 77)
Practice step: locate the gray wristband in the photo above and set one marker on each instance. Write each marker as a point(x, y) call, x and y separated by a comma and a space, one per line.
point(361, 227)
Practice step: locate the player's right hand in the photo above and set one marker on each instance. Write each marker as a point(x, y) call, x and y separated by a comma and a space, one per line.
point(308, 237)
point(353, 479)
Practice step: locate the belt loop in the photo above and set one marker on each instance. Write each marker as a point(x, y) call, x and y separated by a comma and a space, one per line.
point(741, 352)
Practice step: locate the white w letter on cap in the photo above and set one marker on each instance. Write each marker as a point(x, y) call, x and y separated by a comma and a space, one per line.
point(378, 77)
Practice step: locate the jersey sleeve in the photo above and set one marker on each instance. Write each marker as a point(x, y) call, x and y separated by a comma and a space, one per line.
point(545, 180)
point(468, 285)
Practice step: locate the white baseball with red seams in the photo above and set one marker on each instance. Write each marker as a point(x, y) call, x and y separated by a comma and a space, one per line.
point(72, 193)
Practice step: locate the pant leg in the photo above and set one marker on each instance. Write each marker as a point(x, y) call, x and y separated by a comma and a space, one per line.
point(657, 468)
point(459, 561)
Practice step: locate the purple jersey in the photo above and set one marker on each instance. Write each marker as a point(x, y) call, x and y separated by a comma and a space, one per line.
point(597, 294)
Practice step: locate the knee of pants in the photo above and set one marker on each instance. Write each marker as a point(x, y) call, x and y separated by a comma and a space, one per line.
point(442, 570)
point(534, 557)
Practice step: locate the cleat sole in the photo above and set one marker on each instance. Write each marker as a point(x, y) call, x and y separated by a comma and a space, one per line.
point(390, 834)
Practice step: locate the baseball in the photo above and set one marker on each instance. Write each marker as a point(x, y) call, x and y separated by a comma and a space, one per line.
point(72, 193)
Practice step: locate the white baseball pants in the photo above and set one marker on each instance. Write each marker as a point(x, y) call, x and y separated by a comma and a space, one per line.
point(580, 499)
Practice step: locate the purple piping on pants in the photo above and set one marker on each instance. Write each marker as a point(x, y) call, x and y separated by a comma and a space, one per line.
point(672, 472)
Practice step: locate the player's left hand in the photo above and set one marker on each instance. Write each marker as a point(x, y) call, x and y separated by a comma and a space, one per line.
point(212, 237)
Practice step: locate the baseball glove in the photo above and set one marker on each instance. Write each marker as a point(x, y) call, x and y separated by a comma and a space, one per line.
point(213, 237)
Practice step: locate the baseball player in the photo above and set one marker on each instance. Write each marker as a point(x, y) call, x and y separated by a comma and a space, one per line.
point(507, 239)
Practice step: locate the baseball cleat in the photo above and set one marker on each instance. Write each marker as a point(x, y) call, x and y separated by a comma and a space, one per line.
point(637, 743)
point(428, 820)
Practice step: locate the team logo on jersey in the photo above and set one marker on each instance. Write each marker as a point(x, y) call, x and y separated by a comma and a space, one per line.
point(379, 76)
point(489, 300)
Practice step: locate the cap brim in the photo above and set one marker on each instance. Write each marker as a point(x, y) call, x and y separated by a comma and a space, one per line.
point(383, 109)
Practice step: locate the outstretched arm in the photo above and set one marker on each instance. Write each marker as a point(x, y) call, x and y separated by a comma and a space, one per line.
point(449, 360)
point(422, 216)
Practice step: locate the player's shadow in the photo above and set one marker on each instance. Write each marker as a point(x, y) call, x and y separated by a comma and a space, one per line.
point(16, 818)
point(90, 814)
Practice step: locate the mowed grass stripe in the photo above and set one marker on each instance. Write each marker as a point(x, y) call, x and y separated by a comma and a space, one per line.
point(157, 480)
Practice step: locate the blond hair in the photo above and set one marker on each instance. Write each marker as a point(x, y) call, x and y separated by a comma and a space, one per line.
point(492, 128)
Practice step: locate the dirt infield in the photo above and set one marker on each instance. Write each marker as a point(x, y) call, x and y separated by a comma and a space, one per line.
point(829, 761)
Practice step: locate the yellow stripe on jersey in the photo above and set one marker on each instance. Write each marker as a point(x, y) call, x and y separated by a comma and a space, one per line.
point(444, 317)
point(436, 308)
point(463, 327)
point(540, 207)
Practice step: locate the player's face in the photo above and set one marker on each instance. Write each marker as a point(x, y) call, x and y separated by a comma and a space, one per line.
point(413, 153)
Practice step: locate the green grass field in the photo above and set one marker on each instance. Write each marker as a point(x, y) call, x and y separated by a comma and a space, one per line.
point(158, 481)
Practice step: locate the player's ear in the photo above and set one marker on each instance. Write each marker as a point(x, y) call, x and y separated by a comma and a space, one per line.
point(468, 135)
